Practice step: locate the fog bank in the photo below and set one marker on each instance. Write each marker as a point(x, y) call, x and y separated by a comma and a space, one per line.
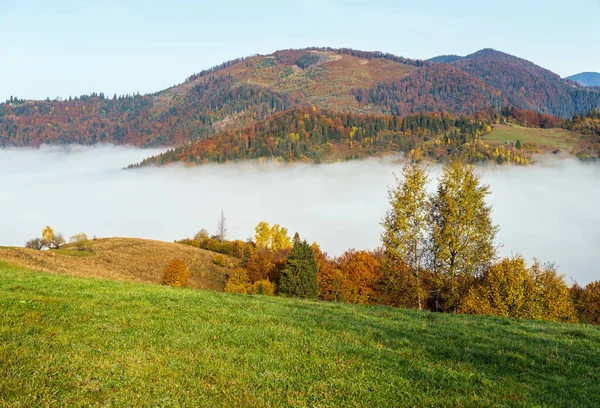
point(547, 210)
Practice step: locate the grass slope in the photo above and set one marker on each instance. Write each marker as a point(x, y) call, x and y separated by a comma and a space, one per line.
point(70, 341)
point(555, 138)
point(130, 259)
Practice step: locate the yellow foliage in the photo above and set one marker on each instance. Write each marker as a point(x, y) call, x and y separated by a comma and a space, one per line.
point(511, 289)
point(263, 287)
point(48, 235)
point(176, 274)
point(219, 260)
point(238, 282)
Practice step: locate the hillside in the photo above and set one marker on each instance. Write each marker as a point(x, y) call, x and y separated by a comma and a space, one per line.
point(319, 136)
point(527, 85)
point(238, 93)
point(586, 78)
point(70, 341)
point(127, 259)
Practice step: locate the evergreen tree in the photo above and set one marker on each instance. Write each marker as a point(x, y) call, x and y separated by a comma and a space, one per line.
point(518, 144)
point(299, 277)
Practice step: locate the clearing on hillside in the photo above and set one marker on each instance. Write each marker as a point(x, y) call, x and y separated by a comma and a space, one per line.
point(129, 259)
point(70, 341)
point(554, 138)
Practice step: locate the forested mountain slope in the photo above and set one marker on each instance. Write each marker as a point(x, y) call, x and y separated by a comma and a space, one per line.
point(238, 93)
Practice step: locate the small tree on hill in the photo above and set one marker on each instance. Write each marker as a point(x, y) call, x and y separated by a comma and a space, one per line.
point(58, 240)
point(176, 274)
point(299, 277)
point(35, 243)
point(47, 236)
point(81, 242)
point(222, 228)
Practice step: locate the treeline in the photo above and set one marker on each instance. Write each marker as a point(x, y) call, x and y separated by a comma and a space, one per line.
point(138, 120)
point(438, 253)
point(588, 124)
point(315, 135)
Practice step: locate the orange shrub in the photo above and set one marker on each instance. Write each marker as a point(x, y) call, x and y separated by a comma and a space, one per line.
point(176, 274)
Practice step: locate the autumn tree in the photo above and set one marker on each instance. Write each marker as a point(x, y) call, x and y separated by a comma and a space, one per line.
point(275, 238)
point(280, 239)
point(176, 274)
point(47, 236)
point(299, 277)
point(329, 277)
point(462, 232)
point(262, 235)
point(588, 303)
point(404, 234)
point(361, 272)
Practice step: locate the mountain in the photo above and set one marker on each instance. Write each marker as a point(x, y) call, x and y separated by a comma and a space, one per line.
point(445, 59)
point(527, 85)
point(238, 93)
point(586, 78)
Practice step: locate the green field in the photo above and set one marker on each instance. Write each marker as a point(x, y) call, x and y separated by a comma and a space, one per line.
point(71, 341)
point(553, 138)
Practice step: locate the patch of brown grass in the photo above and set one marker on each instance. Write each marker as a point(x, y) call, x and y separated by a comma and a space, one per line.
point(127, 259)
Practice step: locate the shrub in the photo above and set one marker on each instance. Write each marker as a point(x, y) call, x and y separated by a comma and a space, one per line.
point(219, 260)
point(511, 289)
point(81, 242)
point(238, 282)
point(35, 243)
point(176, 274)
point(263, 287)
point(212, 245)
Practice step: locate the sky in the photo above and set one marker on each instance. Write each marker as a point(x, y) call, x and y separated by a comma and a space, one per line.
point(60, 48)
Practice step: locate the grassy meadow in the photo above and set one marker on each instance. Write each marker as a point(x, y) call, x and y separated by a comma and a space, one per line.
point(76, 341)
point(555, 138)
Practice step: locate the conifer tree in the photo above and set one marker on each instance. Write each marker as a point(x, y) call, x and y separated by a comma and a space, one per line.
point(299, 277)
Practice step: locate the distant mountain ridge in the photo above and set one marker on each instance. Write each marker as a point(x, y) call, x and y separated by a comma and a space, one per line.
point(241, 92)
point(445, 59)
point(586, 78)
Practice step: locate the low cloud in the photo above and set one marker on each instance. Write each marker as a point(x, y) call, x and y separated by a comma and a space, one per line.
point(548, 211)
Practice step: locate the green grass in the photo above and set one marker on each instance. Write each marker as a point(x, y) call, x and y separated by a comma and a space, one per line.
point(554, 138)
point(72, 252)
point(67, 341)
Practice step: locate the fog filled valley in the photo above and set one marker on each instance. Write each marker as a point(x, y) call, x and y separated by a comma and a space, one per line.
point(547, 210)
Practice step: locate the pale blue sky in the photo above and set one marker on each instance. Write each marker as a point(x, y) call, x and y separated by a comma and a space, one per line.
point(70, 47)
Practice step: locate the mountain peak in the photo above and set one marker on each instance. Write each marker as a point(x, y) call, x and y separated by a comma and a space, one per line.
point(586, 78)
